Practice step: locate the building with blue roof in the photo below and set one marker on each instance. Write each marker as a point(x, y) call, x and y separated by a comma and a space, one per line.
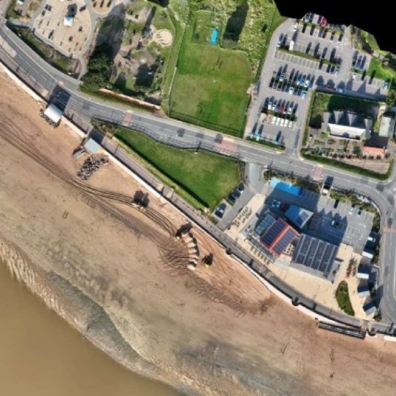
point(299, 217)
point(286, 187)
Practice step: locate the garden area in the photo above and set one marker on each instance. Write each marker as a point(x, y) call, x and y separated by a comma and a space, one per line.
point(202, 178)
point(343, 300)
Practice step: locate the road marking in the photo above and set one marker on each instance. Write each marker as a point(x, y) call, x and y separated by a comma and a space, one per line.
point(127, 118)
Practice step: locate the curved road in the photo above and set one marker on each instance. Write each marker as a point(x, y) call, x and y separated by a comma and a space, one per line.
point(44, 79)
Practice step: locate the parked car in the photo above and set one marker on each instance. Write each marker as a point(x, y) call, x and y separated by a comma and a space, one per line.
point(220, 210)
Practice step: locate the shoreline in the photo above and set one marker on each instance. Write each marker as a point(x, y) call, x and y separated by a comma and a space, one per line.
point(36, 281)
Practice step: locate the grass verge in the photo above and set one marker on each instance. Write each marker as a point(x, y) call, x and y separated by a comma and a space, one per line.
point(343, 300)
point(202, 178)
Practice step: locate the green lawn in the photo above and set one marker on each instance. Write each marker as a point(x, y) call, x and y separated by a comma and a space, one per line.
point(342, 297)
point(206, 177)
point(210, 87)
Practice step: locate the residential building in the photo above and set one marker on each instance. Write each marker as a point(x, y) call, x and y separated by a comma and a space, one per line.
point(374, 152)
point(347, 125)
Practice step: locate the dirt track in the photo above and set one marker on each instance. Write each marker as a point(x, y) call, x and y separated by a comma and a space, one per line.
point(216, 330)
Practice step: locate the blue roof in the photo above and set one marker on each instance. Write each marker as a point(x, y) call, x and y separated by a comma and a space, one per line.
point(214, 36)
point(298, 216)
point(286, 187)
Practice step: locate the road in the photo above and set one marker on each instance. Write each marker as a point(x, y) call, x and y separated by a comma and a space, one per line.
point(44, 79)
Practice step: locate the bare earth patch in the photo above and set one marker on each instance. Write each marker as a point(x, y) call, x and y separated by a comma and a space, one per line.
point(117, 274)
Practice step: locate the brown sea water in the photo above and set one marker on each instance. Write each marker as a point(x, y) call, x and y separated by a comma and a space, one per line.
point(41, 355)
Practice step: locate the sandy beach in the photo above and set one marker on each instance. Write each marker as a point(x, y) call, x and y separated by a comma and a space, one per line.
point(118, 275)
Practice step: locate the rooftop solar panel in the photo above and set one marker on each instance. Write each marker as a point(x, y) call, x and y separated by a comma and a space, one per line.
point(284, 242)
point(273, 232)
point(315, 253)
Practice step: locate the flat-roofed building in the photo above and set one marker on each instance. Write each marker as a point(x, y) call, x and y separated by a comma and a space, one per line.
point(264, 223)
point(278, 237)
point(315, 256)
point(299, 217)
point(387, 126)
point(53, 114)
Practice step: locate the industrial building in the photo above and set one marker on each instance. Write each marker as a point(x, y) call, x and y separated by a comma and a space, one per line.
point(316, 256)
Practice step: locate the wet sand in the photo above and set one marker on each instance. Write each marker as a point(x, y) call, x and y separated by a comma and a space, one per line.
point(41, 355)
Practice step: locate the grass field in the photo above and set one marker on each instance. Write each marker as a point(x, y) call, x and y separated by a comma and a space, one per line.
point(342, 296)
point(206, 177)
point(210, 88)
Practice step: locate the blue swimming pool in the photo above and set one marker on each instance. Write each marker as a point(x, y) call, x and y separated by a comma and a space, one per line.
point(286, 187)
point(214, 36)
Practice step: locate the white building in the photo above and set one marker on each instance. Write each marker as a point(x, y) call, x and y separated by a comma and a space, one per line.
point(387, 127)
point(53, 114)
point(347, 125)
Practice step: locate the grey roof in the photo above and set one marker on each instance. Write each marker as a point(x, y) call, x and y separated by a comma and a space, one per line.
point(91, 146)
point(264, 223)
point(387, 127)
point(346, 124)
point(315, 255)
